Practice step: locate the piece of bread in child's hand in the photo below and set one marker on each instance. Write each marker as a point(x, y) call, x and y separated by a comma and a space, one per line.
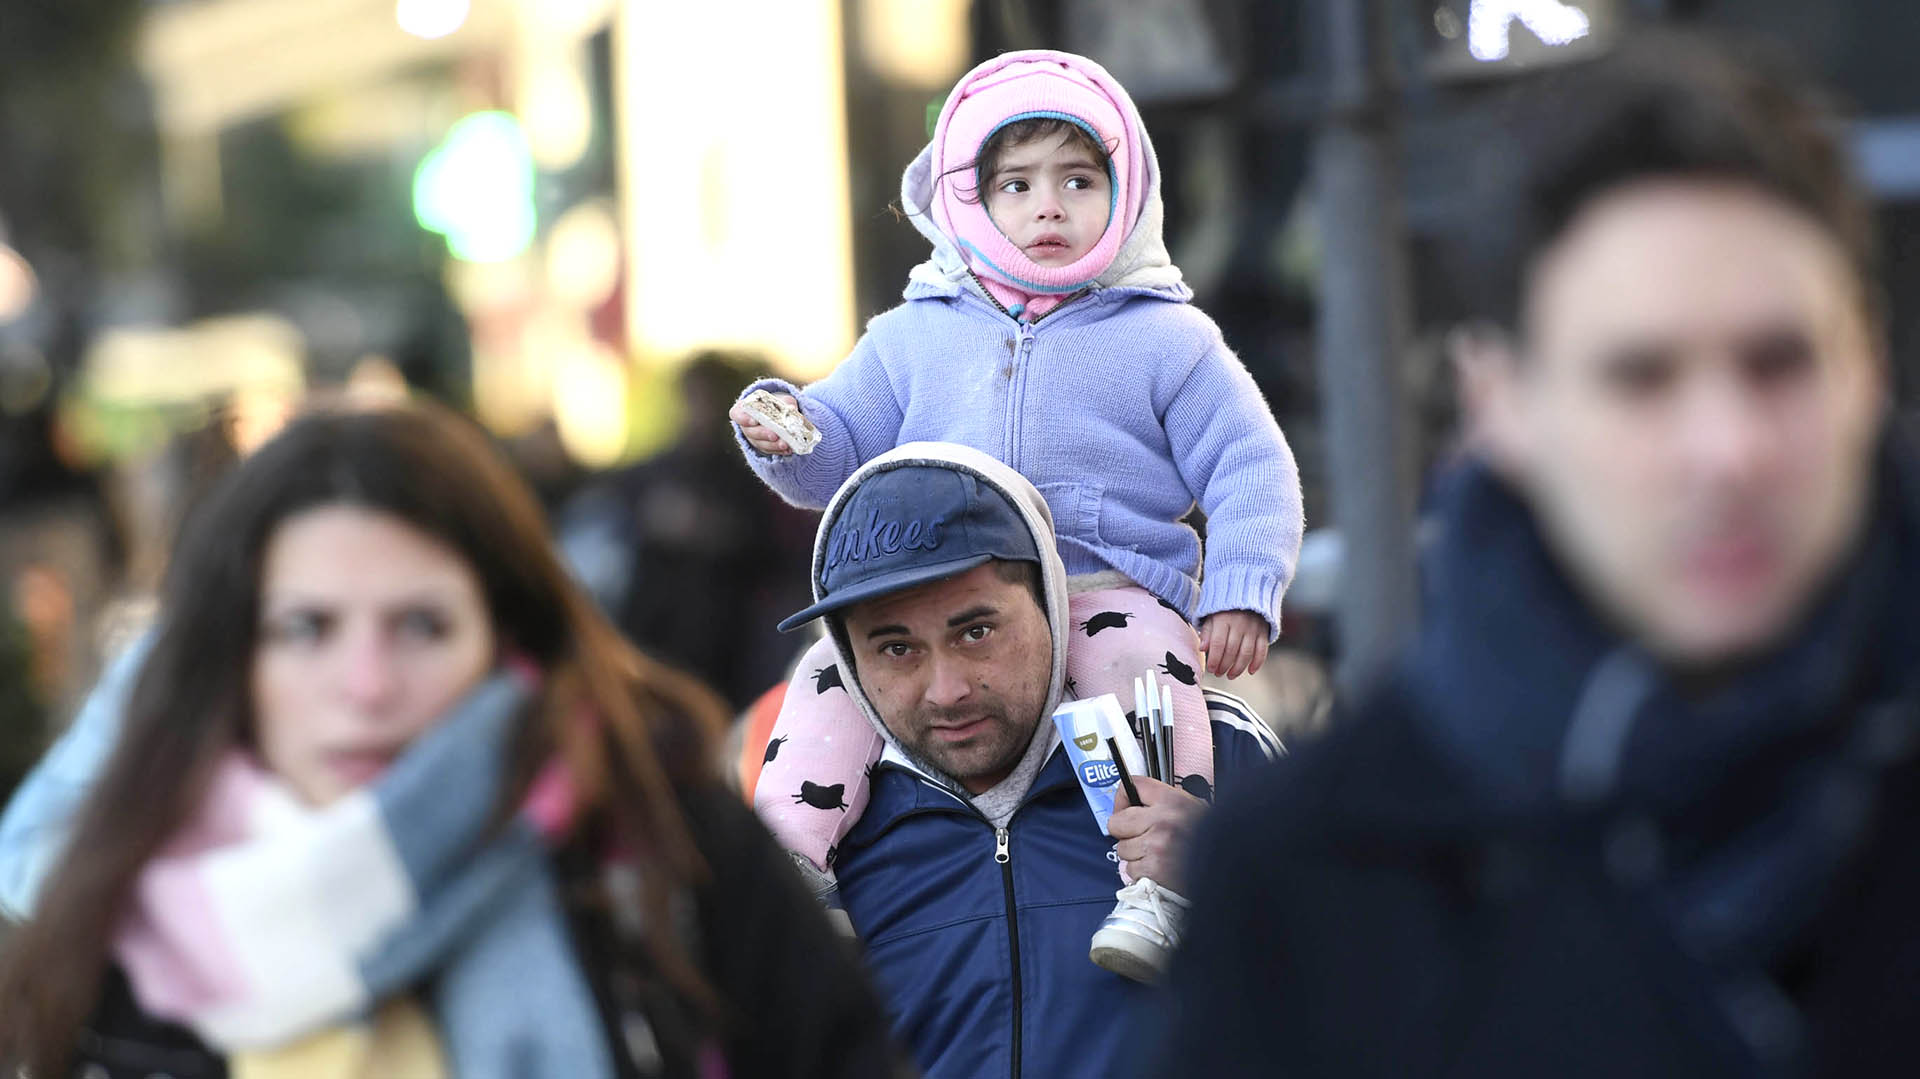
point(799, 432)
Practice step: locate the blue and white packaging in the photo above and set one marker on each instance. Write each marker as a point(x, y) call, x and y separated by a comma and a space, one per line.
point(1085, 727)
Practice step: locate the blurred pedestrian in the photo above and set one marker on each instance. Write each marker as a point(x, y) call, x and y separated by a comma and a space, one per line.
point(1642, 797)
point(692, 556)
point(22, 706)
point(389, 798)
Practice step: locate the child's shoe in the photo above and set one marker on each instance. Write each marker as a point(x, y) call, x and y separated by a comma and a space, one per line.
point(1138, 939)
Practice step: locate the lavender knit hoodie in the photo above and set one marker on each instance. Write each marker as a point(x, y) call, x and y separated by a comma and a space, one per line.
point(1124, 407)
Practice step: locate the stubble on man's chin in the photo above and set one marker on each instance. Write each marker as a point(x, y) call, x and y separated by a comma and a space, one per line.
point(1005, 762)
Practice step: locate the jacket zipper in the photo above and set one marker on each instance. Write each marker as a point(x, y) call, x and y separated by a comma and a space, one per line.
point(1017, 396)
point(1002, 308)
point(991, 298)
point(1017, 380)
point(1003, 853)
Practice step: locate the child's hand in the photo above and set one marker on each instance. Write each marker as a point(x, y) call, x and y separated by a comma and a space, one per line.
point(759, 435)
point(1235, 642)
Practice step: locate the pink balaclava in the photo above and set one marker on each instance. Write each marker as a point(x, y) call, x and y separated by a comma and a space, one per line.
point(1018, 86)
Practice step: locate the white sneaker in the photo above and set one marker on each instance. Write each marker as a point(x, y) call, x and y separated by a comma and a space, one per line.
point(1138, 939)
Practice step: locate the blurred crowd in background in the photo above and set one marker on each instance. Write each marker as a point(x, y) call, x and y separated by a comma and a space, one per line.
point(552, 215)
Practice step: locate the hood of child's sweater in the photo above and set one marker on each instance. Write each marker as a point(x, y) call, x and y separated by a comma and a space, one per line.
point(1140, 260)
point(1033, 510)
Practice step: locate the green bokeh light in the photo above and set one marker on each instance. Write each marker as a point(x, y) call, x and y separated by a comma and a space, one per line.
point(476, 189)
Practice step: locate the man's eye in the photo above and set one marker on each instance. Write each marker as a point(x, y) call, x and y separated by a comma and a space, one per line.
point(894, 649)
point(1779, 358)
point(977, 633)
point(1640, 376)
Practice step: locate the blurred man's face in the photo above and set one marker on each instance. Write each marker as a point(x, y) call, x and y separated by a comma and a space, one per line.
point(1694, 417)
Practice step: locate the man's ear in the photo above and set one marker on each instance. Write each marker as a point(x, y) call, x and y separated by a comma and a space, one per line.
point(836, 626)
point(1486, 366)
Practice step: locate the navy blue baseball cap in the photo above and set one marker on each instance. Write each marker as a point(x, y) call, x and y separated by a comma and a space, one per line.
point(912, 525)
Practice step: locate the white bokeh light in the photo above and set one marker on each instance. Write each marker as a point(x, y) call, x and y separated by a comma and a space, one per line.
point(431, 18)
point(1490, 21)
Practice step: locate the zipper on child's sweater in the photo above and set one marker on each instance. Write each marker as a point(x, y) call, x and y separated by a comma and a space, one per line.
point(1017, 370)
point(1002, 308)
point(1017, 394)
point(991, 298)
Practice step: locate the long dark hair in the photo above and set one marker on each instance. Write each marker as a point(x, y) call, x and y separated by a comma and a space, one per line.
point(1666, 104)
point(435, 471)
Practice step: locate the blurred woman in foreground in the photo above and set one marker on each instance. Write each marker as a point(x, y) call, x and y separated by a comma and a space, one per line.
point(391, 798)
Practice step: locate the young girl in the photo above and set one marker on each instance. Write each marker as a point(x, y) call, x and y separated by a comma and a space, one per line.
point(1051, 331)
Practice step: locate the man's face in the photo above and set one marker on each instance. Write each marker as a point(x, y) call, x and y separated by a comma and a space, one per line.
point(1694, 416)
point(958, 670)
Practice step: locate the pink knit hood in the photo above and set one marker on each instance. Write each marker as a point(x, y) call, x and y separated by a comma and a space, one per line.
point(940, 187)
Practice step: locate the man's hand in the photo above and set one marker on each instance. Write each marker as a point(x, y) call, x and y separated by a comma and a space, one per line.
point(1154, 835)
point(1235, 642)
point(759, 435)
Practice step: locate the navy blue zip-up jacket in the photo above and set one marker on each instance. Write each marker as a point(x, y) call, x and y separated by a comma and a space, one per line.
point(979, 939)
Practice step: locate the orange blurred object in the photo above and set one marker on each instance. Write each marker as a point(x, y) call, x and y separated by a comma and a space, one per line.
point(753, 744)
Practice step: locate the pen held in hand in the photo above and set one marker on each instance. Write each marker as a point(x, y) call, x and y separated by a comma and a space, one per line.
point(1165, 734)
point(1126, 779)
point(1149, 732)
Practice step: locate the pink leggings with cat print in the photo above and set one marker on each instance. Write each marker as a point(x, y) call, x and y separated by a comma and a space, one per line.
point(814, 784)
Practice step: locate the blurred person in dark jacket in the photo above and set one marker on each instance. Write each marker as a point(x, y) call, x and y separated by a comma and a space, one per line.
point(389, 798)
point(692, 556)
point(22, 710)
point(1641, 798)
